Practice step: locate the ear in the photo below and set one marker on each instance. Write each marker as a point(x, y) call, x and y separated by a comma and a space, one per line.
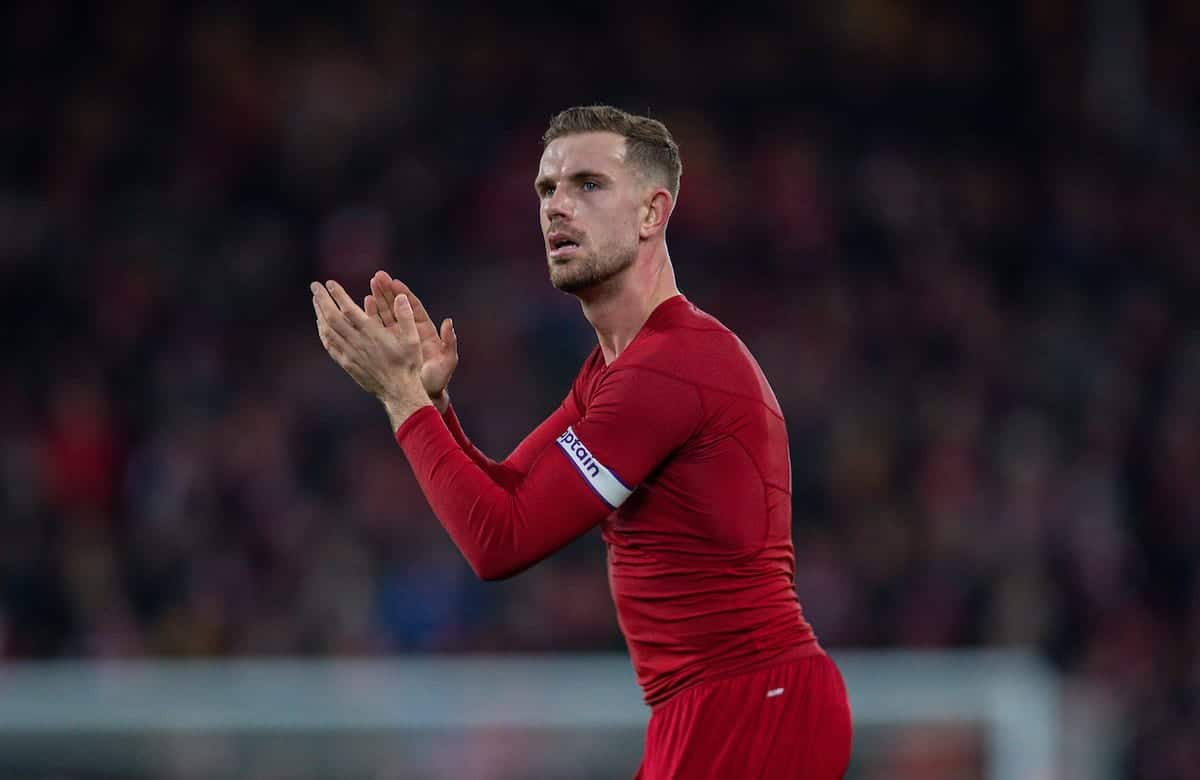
point(655, 212)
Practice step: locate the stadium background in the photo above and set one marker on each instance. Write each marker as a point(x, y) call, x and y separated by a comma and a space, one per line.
point(964, 243)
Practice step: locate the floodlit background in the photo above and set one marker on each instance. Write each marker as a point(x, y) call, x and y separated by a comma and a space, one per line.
point(962, 239)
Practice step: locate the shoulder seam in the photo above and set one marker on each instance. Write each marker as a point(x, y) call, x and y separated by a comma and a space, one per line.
point(767, 487)
point(693, 383)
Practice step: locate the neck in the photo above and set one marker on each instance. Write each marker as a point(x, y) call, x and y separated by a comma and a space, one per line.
point(618, 308)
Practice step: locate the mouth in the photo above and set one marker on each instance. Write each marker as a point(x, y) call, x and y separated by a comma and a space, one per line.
point(561, 246)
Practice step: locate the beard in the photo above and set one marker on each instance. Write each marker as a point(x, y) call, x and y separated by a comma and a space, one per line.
point(587, 271)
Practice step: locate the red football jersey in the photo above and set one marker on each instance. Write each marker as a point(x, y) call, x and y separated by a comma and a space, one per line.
point(678, 449)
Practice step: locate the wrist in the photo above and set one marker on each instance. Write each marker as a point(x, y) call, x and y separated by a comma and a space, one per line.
point(441, 401)
point(401, 406)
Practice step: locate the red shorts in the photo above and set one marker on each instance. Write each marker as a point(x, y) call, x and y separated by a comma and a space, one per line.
point(790, 721)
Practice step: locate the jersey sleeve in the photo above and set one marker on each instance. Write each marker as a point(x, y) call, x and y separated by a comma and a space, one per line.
point(508, 471)
point(635, 420)
point(574, 480)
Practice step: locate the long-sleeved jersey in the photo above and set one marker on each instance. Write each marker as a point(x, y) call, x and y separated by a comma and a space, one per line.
point(678, 449)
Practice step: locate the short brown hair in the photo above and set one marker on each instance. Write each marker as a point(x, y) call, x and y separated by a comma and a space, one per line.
point(648, 142)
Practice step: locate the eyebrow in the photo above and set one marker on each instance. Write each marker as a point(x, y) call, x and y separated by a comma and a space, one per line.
point(578, 176)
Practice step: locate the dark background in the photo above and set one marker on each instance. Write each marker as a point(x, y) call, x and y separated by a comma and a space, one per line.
point(963, 243)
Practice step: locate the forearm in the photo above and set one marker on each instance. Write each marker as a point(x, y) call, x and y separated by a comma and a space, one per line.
point(480, 458)
point(492, 524)
point(508, 472)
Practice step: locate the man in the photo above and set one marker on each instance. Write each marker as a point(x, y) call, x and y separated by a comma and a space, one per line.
point(670, 439)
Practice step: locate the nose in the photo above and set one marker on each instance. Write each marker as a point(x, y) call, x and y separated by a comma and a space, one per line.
point(558, 206)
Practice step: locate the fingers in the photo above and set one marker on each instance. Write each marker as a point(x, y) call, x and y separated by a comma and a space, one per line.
point(338, 337)
point(381, 290)
point(328, 312)
point(405, 318)
point(419, 312)
point(326, 309)
point(350, 311)
point(334, 343)
point(449, 337)
point(371, 309)
point(330, 340)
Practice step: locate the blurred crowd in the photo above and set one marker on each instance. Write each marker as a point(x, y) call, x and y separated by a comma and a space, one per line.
point(962, 240)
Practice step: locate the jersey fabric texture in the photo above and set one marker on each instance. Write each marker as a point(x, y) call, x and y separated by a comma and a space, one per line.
point(678, 451)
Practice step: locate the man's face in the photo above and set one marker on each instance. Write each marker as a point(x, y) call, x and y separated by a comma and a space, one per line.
point(590, 206)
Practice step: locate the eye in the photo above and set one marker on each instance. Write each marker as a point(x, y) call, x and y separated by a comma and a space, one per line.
point(547, 190)
point(590, 186)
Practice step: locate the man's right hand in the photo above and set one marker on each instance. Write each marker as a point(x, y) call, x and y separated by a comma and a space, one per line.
point(439, 351)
